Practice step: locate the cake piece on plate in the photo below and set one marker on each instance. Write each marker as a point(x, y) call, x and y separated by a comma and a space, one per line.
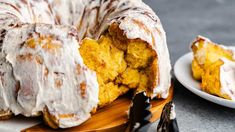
point(214, 66)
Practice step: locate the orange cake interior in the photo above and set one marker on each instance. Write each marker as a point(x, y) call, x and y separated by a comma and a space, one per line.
point(120, 64)
point(206, 65)
point(205, 54)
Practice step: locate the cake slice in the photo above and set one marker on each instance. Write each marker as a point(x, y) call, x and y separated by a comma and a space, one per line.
point(214, 66)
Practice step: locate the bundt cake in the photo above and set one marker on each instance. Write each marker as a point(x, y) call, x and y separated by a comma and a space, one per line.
point(63, 59)
point(214, 66)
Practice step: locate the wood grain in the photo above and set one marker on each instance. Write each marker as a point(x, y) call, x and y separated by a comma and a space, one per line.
point(110, 118)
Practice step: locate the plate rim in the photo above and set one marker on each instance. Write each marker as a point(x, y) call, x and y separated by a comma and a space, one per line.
point(197, 91)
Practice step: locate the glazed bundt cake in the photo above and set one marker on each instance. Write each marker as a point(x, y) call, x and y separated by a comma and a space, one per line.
point(214, 66)
point(63, 59)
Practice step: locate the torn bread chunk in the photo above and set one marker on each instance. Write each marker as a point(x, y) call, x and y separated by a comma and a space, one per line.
point(214, 66)
point(120, 69)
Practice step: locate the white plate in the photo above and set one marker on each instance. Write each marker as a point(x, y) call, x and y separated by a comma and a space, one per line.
point(183, 74)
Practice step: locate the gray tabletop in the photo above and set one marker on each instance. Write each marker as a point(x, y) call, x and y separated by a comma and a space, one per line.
point(183, 20)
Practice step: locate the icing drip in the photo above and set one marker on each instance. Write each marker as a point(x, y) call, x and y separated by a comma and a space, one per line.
point(227, 78)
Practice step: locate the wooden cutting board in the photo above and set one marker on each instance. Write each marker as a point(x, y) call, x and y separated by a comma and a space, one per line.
point(110, 118)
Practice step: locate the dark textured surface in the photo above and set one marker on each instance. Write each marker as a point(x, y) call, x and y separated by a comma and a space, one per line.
point(183, 20)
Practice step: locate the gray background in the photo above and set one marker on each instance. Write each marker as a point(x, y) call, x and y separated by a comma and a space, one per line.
point(183, 20)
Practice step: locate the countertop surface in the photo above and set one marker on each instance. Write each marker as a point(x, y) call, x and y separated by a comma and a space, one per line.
point(183, 20)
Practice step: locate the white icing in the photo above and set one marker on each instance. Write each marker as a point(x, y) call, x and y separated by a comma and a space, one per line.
point(172, 114)
point(227, 78)
point(38, 90)
point(201, 54)
point(137, 125)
